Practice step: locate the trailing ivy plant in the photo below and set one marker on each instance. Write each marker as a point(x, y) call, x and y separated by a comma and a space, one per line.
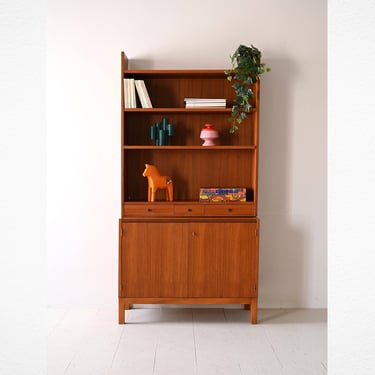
point(246, 68)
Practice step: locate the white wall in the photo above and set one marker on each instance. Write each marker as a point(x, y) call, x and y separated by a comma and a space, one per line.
point(83, 132)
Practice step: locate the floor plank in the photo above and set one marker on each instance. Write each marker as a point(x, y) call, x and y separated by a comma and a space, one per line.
point(67, 340)
point(99, 345)
point(253, 351)
point(175, 351)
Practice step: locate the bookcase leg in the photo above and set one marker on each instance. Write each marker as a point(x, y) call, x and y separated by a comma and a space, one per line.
point(254, 311)
point(121, 312)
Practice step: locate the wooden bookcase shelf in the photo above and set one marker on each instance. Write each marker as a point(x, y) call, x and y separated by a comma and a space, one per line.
point(184, 111)
point(187, 251)
point(200, 148)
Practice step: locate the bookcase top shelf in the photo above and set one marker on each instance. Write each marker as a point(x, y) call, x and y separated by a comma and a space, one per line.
point(193, 73)
point(183, 110)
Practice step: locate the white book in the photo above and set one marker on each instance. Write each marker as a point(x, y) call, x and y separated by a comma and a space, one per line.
point(201, 103)
point(143, 93)
point(133, 103)
point(129, 93)
point(126, 93)
point(204, 100)
point(205, 105)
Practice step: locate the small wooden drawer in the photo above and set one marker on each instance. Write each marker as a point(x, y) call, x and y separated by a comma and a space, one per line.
point(148, 209)
point(229, 209)
point(189, 210)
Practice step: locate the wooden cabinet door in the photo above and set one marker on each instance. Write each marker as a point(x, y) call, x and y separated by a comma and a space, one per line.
point(206, 240)
point(239, 271)
point(153, 260)
point(223, 260)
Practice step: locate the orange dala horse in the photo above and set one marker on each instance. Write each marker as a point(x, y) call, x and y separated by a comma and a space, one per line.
point(155, 182)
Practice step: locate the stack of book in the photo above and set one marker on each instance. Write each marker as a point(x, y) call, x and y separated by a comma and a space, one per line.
point(204, 103)
point(130, 85)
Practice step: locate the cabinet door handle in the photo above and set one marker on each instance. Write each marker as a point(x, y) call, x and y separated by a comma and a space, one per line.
point(194, 234)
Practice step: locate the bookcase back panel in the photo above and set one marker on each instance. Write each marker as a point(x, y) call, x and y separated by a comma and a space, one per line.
point(166, 93)
point(190, 170)
point(169, 92)
point(187, 128)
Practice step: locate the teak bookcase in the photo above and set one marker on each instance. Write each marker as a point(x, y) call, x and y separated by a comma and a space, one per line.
point(186, 251)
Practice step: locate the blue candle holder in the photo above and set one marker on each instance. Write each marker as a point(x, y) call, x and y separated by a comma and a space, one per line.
point(152, 132)
point(162, 137)
point(170, 129)
point(161, 132)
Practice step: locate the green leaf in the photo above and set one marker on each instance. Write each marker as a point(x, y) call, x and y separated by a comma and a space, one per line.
point(246, 68)
point(242, 116)
point(233, 129)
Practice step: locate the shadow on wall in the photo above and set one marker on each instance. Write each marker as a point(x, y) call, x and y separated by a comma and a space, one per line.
point(282, 252)
point(142, 63)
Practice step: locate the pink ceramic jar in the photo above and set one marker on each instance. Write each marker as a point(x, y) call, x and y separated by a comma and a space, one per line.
point(208, 135)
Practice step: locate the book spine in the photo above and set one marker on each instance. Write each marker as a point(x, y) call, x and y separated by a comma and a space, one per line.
point(147, 96)
point(204, 105)
point(133, 102)
point(126, 93)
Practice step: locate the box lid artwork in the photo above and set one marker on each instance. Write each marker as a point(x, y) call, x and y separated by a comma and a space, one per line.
point(222, 195)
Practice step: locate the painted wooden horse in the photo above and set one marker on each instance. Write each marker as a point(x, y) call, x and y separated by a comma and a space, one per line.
point(156, 182)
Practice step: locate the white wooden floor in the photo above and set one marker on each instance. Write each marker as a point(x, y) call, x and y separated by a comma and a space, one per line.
point(189, 341)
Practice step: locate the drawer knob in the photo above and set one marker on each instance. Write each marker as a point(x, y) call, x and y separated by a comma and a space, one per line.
point(230, 209)
point(149, 210)
point(189, 210)
point(194, 234)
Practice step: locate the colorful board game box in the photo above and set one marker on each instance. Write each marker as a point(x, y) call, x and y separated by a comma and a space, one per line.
point(222, 195)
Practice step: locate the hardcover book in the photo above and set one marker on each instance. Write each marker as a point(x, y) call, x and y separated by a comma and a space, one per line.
point(202, 102)
point(129, 93)
point(143, 93)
